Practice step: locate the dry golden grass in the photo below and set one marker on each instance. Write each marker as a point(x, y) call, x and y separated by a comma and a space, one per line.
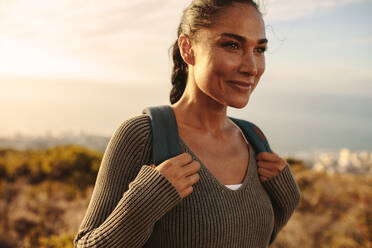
point(41, 207)
point(335, 211)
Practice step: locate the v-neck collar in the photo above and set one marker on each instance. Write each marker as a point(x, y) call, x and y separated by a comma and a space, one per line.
point(248, 176)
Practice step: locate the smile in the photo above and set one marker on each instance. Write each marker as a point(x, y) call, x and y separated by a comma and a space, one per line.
point(242, 86)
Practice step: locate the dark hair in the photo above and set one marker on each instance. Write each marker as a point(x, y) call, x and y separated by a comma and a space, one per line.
point(199, 14)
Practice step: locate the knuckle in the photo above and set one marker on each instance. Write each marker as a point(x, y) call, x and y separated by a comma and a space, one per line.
point(279, 167)
point(188, 156)
point(196, 178)
point(196, 165)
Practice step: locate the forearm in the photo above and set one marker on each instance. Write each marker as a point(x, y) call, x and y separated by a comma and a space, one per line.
point(285, 196)
point(130, 224)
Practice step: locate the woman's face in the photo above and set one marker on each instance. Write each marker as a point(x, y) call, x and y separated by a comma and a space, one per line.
point(230, 52)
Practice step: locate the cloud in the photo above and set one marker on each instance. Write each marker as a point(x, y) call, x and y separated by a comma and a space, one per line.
point(70, 24)
point(116, 36)
point(86, 17)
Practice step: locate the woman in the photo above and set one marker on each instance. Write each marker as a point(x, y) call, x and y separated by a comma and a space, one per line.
point(218, 192)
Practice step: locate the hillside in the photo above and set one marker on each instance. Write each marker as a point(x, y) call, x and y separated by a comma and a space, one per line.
point(44, 195)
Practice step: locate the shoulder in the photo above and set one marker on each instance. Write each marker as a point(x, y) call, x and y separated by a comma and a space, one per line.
point(135, 131)
point(136, 124)
point(129, 147)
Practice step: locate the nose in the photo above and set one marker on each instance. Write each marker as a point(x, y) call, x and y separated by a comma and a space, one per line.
point(248, 64)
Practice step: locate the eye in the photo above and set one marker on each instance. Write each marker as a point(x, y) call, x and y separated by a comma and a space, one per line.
point(231, 44)
point(260, 49)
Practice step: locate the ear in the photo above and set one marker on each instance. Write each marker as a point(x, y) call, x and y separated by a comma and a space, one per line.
point(187, 53)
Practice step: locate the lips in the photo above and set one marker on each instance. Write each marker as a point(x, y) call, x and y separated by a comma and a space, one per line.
point(242, 85)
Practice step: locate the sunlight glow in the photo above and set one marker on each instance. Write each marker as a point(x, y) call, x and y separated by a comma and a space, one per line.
point(20, 59)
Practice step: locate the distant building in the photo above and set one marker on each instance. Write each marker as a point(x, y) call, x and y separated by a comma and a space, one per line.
point(345, 161)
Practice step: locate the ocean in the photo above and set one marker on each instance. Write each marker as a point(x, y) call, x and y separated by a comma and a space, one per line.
point(293, 122)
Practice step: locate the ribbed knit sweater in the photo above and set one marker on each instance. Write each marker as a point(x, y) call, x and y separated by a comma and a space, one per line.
point(134, 205)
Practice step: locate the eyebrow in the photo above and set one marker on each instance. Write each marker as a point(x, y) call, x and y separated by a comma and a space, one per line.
point(241, 38)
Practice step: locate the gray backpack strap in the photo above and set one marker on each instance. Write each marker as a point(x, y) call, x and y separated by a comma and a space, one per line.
point(164, 133)
point(254, 135)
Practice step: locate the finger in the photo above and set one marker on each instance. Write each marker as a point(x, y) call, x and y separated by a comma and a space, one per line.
point(280, 158)
point(266, 173)
point(187, 191)
point(180, 160)
point(192, 179)
point(186, 182)
point(276, 167)
point(268, 157)
point(282, 166)
point(261, 155)
point(191, 168)
point(273, 152)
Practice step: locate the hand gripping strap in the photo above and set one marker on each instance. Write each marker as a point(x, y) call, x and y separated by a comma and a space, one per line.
point(164, 133)
point(253, 135)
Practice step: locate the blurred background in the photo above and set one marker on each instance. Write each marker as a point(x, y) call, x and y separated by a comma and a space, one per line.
point(72, 71)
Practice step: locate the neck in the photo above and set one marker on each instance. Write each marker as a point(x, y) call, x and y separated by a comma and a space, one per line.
point(199, 111)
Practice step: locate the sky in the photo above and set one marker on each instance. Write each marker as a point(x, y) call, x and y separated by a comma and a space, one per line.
point(63, 64)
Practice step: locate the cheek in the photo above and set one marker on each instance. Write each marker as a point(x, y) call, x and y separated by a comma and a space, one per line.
point(224, 65)
point(213, 68)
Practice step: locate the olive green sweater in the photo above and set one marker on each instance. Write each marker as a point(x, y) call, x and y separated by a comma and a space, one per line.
point(133, 205)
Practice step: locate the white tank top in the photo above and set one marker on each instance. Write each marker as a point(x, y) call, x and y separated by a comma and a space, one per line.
point(233, 186)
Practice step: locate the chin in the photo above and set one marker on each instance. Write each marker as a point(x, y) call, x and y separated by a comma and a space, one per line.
point(239, 104)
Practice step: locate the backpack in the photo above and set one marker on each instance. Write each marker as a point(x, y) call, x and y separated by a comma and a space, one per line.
point(166, 140)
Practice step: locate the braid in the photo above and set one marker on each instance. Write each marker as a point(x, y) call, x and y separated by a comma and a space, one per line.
point(179, 74)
